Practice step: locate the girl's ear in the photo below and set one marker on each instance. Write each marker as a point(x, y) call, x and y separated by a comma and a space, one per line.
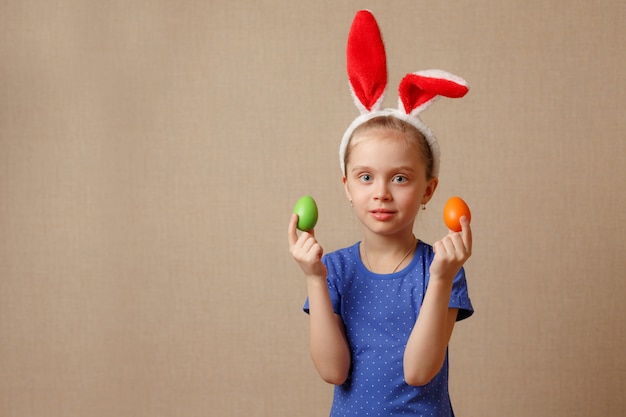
point(430, 190)
point(344, 180)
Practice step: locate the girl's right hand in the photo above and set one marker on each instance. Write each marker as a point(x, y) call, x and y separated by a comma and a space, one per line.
point(306, 250)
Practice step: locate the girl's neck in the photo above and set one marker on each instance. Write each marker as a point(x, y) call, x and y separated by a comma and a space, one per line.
point(387, 254)
point(388, 245)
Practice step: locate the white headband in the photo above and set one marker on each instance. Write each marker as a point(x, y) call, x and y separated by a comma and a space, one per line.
point(367, 73)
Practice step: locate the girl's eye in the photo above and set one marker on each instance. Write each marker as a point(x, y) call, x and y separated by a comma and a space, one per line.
point(365, 177)
point(400, 179)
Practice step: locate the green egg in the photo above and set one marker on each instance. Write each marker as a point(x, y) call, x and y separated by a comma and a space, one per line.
point(306, 209)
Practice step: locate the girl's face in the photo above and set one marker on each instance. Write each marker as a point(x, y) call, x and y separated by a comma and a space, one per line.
point(386, 181)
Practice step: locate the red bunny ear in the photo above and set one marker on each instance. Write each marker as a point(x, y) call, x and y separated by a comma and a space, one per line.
point(418, 90)
point(367, 62)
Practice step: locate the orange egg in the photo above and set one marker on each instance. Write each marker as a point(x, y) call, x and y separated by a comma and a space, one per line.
point(454, 209)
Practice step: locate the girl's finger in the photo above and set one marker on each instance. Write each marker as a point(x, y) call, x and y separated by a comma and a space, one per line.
point(292, 235)
point(466, 232)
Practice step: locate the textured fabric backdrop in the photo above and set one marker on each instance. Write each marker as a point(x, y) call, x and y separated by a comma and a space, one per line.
point(151, 152)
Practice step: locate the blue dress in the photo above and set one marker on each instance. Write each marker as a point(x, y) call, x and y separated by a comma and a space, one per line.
point(379, 312)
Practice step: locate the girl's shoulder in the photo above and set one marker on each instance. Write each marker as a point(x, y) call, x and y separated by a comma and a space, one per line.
point(424, 248)
point(344, 255)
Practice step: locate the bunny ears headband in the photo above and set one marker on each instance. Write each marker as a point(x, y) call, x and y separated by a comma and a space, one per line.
point(367, 73)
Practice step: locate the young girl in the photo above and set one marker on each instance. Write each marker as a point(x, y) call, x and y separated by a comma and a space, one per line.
point(382, 311)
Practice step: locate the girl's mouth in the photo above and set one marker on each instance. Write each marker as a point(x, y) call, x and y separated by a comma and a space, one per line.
point(382, 214)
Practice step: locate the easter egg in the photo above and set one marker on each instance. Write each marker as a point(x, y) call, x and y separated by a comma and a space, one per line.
point(453, 210)
point(306, 209)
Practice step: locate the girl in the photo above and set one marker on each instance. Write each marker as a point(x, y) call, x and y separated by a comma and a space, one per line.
point(382, 311)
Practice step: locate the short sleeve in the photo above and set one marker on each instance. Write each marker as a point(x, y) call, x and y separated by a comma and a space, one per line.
point(332, 280)
point(459, 297)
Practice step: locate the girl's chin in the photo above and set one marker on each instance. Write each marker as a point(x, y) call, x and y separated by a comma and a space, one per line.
point(387, 229)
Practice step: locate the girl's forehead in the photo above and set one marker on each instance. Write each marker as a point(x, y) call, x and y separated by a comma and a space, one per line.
point(385, 151)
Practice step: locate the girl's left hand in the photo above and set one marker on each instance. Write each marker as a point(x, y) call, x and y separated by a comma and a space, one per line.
point(451, 252)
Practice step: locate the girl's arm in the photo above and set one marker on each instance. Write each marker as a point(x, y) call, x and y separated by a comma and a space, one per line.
point(329, 346)
point(426, 348)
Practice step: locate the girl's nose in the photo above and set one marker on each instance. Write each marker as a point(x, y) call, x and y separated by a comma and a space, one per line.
point(382, 194)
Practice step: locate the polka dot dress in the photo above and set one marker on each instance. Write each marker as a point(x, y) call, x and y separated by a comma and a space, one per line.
point(379, 312)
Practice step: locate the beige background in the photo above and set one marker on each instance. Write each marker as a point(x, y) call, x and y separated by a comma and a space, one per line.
point(151, 152)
